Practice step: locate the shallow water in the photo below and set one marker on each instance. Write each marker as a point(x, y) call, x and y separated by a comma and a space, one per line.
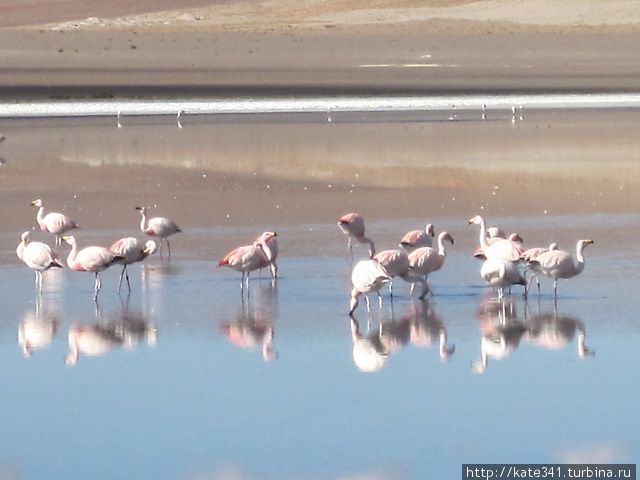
point(189, 379)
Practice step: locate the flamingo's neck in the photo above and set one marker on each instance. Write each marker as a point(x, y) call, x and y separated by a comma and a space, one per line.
point(483, 234)
point(579, 266)
point(40, 215)
point(441, 250)
point(143, 220)
point(71, 258)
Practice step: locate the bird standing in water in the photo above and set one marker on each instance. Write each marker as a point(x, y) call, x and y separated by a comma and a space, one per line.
point(38, 256)
point(352, 225)
point(53, 222)
point(160, 227)
point(131, 250)
point(90, 259)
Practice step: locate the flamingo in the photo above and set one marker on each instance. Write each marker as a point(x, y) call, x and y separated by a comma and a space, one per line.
point(53, 222)
point(418, 238)
point(352, 225)
point(247, 258)
point(396, 264)
point(501, 274)
point(90, 259)
point(367, 276)
point(38, 256)
point(426, 260)
point(131, 250)
point(270, 242)
point(505, 249)
point(559, 264)
point(533, 253)
point(158, 227)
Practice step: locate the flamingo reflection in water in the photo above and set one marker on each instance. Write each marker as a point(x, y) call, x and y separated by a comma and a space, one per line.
point(124, 330)
point(554, 332)
point(501, 331)
point(252, 325)
point(37, 329)
point(419, 326)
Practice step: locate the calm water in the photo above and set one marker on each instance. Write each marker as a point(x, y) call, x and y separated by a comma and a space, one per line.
point(186, 379)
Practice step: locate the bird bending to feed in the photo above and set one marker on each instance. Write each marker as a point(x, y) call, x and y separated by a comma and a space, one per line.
point(247, 258)
point(560, 264)
point(158, 227)
point(367, 276)
point(505, 249)
point(53, 222)
point(38, 256)
point(396, 264)
point(426, 260)
point(131, 250)
point(269, 242)
point(418, 238)
point(352, 225)
point(90, 259)
point(501, 274)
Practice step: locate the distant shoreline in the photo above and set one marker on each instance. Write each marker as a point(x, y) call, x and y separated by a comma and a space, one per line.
point(479, 105)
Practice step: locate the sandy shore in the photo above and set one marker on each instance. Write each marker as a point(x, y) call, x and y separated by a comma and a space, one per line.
point(322, 46)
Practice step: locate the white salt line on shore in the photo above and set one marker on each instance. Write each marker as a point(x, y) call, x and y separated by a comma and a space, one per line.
point(315, 104)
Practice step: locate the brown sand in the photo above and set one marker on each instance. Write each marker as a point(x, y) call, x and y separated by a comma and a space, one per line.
point(334, 45)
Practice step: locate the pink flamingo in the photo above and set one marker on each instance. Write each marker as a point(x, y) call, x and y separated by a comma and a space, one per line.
point(158, 227)
point(131, 250)
point(247, 258)
point(90, 259)
point(38, 256)
point(53, 222)
point(418, 238)
point(352, 225)
point(426, 260)
point(396, 264)
point(559, 264)
point(270, 242)
point(505, 249)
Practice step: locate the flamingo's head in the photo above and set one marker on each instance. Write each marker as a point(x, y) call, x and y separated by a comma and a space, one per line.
point(149, 247)
point(447, 236)
point(142, 210)
point(584, 243)
point(430, 229)
point(70, 239)
point(514, 237)
point(26, 237)
point(477, 220)
point(37, 203)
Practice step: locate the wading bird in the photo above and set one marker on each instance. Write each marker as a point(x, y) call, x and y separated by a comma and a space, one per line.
point(269, 242)
point(131, 250)
point(159, 227)
point(418, 238)
point(396, 264)
point(505, 249)
point(247, 258)
point(53, 222)
point(560, 264)
point(90, 259)
point(367, 276)
point(38, 256)
point(352, 225)
point(501, 274)
point(530, 255)
point(426, 260)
